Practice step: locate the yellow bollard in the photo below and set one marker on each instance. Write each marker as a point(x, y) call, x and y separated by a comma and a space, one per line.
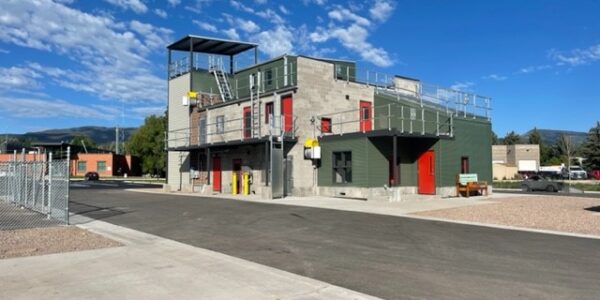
point(246, 183)
point(234, 183)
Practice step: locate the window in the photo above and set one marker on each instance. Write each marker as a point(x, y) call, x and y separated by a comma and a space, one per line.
point(269, 112)
point(220, 124)
point(269, 77)
point(342, 167)
point(325, 125)
point(464, 165)
point(101, 166)
point(81, 166)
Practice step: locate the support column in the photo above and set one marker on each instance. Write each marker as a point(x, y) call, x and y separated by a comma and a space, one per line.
point(208, 166)
point(256, 55)
point(191, 61)
point(267, 164)
point(395, 161)
point(231, 64)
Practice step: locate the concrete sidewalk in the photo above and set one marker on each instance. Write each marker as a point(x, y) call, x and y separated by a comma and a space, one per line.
point(151, 267)
point(401, 208)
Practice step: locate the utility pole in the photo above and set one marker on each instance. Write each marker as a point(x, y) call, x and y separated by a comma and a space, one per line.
point(117, 140)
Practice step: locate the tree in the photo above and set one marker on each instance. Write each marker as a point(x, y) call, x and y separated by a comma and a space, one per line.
point(511, 138)
point(495, 139)
point(590, 149)
point(535, 138)
point(82, 139)
point(147, 142)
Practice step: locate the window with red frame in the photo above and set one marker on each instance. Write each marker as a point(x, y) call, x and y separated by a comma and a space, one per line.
point(269, 112)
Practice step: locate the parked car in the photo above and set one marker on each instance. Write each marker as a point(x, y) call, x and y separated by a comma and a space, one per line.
point(595, 174)
point(92, 176)
point(577, 173)
point(539, 183)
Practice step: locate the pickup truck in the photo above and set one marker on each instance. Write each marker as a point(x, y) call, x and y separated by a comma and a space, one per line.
point(577, 173)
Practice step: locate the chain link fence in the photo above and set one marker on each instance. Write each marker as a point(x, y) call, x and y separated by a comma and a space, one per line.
point(34, 193)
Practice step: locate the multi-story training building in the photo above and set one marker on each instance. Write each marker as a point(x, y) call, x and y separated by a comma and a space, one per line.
point(299, 125)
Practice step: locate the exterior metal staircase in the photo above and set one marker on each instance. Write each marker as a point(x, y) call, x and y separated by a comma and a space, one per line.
point(215, 65)
point(255, 103)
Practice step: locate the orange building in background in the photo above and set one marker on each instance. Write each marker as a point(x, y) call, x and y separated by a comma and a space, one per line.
point(105, 164)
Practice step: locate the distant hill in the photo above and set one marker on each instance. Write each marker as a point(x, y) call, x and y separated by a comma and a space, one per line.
point(551, 136)
point(101, 135)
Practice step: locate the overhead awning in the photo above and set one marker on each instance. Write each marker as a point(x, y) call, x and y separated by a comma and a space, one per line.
point(211, 45)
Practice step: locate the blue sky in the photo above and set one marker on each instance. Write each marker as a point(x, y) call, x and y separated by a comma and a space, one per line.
point(73, 62)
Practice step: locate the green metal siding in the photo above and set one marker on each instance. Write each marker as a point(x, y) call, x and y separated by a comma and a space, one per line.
point(241, 80)
point(203, 81)
point(472, 138)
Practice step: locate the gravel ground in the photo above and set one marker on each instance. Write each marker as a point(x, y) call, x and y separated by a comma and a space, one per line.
point(39, 241)
point(567, 214)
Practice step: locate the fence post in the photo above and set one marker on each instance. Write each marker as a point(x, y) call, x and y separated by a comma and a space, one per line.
point(67, 179)
point(402, 117)
point(437, 123)
point(451, 126)
point(49, 185)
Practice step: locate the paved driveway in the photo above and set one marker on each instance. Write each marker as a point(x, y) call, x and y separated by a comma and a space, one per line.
point(385, 256)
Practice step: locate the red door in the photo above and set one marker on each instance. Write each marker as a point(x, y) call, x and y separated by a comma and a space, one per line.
point(216, 173)
point(287, 113)
point(247, 121)
point(426, 165)
point(365, 116)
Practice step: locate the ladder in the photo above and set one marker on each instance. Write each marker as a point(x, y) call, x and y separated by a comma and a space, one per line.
point(215, 66)
point(255, 103)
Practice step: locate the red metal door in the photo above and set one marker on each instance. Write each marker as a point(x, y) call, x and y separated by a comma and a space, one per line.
point(216, 173)
point(287, 113)
point(247, 121)
point(426, 179)
point(365, 116)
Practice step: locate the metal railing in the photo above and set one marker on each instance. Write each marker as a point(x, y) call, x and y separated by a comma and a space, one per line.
point(265, 79)
point(405, 119)
point(231, 130)
point(459, 103)
point(34, 193)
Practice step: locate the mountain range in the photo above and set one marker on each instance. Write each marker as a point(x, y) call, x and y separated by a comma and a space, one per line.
point(551, 136)
point(100, 135)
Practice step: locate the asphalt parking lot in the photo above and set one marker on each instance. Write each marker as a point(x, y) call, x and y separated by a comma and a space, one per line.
point(385, 256)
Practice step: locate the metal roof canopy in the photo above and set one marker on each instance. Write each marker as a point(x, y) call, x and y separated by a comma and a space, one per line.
point(211, 45)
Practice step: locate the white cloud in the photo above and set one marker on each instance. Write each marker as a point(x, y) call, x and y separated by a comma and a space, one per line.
point(382, 10)
point(247, 25)
point(261, 1)
point(576, 57)
point(354, 38)
point(198, 6)
point(239, 6)
point(135, 5)
point(205, 26)
point(532, 69)
point(110, 57)
point(232, 33)
point(30, 108)
point(18, 78)
point(271, 16)
point(174, 2)
point(161, 13)
point(462, 86)
point(343, 14)
point(495, 77)
point(279, 41)
point(284, 10)
point(4, 51)
point(317, 2)
point(145, 111)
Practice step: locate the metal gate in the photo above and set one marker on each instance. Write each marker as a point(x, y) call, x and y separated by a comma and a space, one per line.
point(33, 192)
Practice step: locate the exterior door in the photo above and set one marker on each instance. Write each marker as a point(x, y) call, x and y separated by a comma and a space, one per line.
point(287, 114)
point(247, 122)
point(426, 171)
point(365, 116)
point(216, 173)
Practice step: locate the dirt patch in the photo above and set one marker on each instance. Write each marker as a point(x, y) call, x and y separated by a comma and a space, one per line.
point(39, 241)
point(567, 214)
